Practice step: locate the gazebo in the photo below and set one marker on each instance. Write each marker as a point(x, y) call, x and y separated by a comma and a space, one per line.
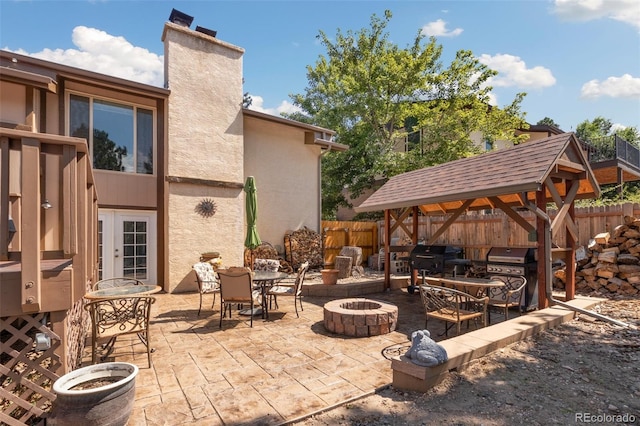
point(529, 176)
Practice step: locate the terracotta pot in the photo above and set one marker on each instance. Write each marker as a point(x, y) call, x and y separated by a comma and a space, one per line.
point(329, 276)
point(109, 404)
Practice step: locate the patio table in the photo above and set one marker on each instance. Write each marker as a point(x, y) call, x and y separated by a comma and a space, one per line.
point(263, 280)
point(124, 291)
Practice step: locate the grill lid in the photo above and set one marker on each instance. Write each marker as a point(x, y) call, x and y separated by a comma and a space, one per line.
point(518, 255)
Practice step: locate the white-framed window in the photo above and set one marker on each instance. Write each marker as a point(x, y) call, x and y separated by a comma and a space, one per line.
point(121, 135)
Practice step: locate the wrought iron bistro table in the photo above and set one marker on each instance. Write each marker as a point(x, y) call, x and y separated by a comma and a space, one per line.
point(468, 284)
point(474, 286)
point(114, 293)
point(124, 291)
point(263, 280)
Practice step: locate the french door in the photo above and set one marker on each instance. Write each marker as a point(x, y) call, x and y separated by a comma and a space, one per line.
point(127, 245)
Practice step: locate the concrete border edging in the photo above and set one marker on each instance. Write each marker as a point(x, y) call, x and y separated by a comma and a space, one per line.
point(465, 348)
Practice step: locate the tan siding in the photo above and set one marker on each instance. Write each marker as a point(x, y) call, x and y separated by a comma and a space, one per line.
point(286, 172)
point(126, 190)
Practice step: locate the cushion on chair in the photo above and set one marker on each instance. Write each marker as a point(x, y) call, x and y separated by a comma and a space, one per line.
point(282, 289)
point(270, 265)
point(207, 276)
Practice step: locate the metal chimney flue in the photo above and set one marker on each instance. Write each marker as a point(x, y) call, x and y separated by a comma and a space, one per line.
point(180, 18)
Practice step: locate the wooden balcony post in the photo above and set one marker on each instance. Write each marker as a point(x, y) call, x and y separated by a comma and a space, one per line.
point(4, 198)
point(30, 188)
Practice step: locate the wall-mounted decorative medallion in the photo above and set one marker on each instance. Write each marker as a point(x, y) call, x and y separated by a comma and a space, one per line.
point(206, 208)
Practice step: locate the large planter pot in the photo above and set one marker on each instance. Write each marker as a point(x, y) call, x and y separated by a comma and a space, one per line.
point(329, 276)
point(105, 396)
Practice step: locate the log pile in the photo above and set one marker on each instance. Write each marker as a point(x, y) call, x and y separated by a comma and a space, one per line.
point(266, 251)
point(303, 245)
point(610, 264)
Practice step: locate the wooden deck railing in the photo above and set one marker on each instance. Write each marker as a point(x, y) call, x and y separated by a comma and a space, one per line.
point(48, 211)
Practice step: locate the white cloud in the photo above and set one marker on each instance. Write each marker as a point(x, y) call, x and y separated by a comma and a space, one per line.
point(513, 71)
point(101, 52)
point(617, 127)
point(627, 11)
point(614, 87)
point(257, 104)
point(439, 29)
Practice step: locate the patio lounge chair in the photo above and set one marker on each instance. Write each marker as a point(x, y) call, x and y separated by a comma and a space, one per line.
point(294, 291)
point(452, 306)
point(207, 281)
point(236, 287)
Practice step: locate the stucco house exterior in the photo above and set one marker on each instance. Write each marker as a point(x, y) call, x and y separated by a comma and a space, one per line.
point(158, 153)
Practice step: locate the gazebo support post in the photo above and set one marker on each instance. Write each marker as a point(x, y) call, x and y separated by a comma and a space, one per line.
point(541, 231)
point(387, 249)
point(570, 260)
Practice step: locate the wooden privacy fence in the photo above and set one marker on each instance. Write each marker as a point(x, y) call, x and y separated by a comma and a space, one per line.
point(337, 234)
point(476, 233)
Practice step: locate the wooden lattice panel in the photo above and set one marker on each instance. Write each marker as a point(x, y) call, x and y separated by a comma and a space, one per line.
point(77, 326)
point(26, 375)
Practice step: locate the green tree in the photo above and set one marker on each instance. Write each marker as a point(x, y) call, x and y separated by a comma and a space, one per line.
point(548, 122)
point(369, 89)
point(601, 128)
point(594, 130)
point(107, 155)
point(630, 134)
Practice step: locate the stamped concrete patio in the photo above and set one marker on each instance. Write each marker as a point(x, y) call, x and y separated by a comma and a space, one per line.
point(283, 369)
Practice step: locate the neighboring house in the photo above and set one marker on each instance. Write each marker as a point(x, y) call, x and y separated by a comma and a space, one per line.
point(159, 154)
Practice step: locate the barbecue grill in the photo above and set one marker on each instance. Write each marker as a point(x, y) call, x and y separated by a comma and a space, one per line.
point(433, 260)
point(513, 261)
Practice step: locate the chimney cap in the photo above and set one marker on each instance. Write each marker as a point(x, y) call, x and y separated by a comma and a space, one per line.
point(180, 18)
point(206, 31)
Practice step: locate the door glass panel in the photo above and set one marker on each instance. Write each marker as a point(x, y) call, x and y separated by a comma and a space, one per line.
point(135, 249)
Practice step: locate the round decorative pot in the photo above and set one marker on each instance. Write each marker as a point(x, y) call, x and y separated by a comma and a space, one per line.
point(329, 276)
point(100, 394)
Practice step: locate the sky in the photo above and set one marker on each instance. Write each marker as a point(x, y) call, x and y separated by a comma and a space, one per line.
point(575, 59)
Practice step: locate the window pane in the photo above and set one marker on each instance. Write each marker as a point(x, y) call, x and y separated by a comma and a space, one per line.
point(144, 140)
point(112, 136)
point(79, 117)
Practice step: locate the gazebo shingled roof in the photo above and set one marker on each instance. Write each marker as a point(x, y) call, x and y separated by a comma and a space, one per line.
point(504, 173)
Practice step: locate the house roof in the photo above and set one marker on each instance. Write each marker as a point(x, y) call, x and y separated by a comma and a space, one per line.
point(505, 174)
point(325, 135)
point(37, 71)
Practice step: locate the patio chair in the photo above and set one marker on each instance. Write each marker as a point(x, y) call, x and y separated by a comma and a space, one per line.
point(117, 316)
point(207, 281)
point(452, 306)
point(115, 282)
point(509, 296)
point(287, 290)
point(236, 287)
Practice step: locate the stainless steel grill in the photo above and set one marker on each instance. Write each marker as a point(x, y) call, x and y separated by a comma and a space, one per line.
point(512, 261)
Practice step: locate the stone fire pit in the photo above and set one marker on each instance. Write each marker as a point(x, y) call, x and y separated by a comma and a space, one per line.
point(360, 317)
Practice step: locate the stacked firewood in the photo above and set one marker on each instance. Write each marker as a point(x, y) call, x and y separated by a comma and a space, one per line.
point(610, 264)
point(303, 245)
point(266, 251)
